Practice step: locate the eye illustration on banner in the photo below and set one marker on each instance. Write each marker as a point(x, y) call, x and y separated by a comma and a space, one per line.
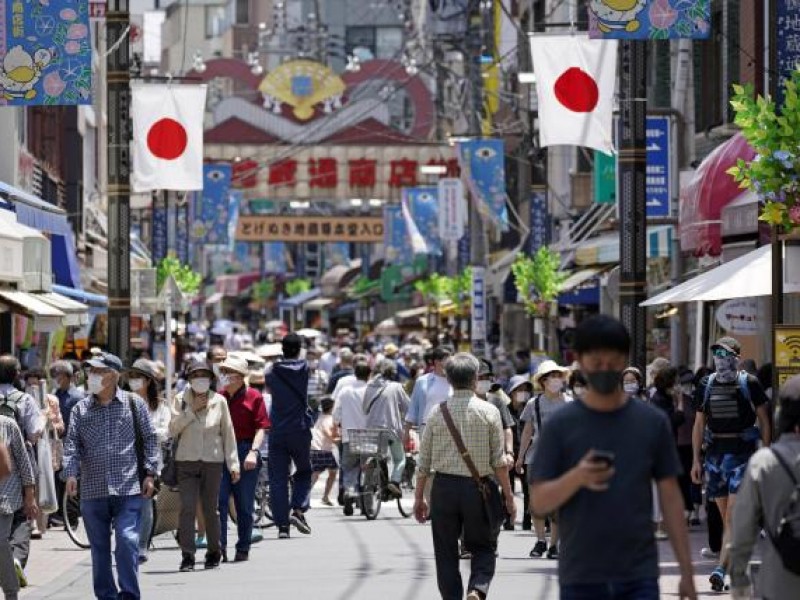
point(215, 175)
point(486, 153)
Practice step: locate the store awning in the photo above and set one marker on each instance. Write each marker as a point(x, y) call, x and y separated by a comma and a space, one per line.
point(499, 271)
point(745, 277)
point(337, 278)
point(234, 285)
point(604, 249)
point(214, 298)
point(421, 311)
point(319, 303)
point(76, 314)
point(300, 299)
point(81, 296)
point(710, 190)
point(346, 309)
point(46, 318)
point(581, 287)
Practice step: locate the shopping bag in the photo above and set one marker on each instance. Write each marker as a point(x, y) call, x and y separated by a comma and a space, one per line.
point(48, 498)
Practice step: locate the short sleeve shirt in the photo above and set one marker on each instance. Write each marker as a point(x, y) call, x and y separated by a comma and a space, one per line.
point(608, 536)
point(547, 408)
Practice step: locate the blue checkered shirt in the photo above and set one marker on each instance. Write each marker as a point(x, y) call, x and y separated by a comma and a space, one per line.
point(22, 474)
point(100, 448)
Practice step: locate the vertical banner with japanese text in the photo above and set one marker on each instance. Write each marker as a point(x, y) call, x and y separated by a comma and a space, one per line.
point(478, 329)
point(159, 238)
point(452, 209)
point(483, 168)
point(395, 237)
point(210, 209)
point(424, 206)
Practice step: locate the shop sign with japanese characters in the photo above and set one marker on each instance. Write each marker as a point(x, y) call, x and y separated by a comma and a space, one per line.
point(269, 228)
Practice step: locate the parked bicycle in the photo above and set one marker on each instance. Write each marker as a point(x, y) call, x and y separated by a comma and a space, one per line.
point(372, 446)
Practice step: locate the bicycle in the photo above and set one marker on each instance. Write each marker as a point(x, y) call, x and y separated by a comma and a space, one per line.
point(372, 445)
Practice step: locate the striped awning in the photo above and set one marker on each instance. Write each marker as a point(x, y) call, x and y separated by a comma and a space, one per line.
point(604, 249)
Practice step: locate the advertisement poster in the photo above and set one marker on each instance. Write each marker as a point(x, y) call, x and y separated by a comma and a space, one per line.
point(210, 209)
point(483, 164)
point(649, 19)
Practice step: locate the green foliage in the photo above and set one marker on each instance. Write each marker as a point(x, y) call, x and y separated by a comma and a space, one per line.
point(774, 174)
point(433, 288)
point(538, 279)
point(297, 286)
point(262, 291)
point(188, 281)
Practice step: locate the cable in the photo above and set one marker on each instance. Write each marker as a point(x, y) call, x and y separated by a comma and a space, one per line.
point(185, 31)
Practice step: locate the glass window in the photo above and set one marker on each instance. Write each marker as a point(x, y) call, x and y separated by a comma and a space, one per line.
point(242, 12)
point(360, 37)
point(389, 43)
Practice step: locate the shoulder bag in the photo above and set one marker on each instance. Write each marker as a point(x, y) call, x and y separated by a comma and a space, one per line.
point(139, 442)
point(490, 493)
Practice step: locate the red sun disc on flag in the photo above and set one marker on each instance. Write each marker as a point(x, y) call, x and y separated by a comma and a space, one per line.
point(577, 90)
point(167, 139)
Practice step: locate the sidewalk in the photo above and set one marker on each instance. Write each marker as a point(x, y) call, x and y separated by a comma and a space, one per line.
point(54, 557)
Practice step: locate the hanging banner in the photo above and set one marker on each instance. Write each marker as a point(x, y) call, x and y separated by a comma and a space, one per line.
point(160, 238)
point(395, 238)
point(540, 223)
point(423, 202)
point(452, 209)
point(336, 253)
point(278, 228)
point(182, 232)
point(649, 19)
point(478, 330)
point(787, 41)
point(210, 209)
point(45, 53)
point(483, 168)
point(275, 257)
point(605, 178)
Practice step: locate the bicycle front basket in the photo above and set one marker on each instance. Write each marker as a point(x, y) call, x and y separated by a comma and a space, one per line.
point(368, 441)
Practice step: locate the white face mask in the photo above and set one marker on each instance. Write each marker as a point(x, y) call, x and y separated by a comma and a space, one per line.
point(215, 369)
point(136, 385)
point(201, 385)
point(482, 386)
point(94, 384)
point(631, 388)
point(554, 385)
point(521, 397)
point(224, 380)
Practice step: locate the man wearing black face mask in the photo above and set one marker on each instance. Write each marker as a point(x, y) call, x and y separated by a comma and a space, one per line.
point(731, 401)
point(605, 514)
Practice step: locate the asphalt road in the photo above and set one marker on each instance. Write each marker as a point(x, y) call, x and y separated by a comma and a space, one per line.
point(344, 559)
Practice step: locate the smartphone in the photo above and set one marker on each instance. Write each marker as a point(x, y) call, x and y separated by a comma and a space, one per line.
point(607, 458)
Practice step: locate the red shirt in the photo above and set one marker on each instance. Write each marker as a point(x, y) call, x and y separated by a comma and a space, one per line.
point(248, 413)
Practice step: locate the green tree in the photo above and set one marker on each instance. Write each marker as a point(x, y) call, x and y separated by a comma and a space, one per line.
point(433, 288)
point(774, 173)
point(297, 286)
point(262, 291)
point(188, 281)
point(538, 280)
point(459, 288)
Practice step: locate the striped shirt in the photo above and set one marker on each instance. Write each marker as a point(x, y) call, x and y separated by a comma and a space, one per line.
point(21, 471)
point(480, 427)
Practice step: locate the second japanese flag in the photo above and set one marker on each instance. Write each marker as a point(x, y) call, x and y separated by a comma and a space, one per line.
point(575, 79)
point(167, 136)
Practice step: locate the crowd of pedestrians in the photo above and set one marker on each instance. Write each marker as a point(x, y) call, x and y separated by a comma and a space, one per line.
point(608, 460)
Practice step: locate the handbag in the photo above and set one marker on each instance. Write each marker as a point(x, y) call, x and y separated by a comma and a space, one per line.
point(490, 493)
point(46, 481)
point(169, 472)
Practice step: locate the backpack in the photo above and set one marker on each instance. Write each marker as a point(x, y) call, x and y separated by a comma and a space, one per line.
point(786, 537)
point(750, 433)
point(10, 406)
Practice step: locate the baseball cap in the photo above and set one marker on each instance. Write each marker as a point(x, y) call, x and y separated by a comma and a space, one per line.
point(198, 366)
point(485, 368)
point(106, 360)
point(728, 343)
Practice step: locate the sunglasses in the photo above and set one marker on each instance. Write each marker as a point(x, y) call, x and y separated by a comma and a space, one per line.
point(722, 353)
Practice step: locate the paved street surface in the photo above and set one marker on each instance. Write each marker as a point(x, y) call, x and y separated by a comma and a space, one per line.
point(345, 559)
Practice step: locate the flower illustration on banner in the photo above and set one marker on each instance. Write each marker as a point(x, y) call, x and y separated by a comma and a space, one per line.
point(649, 19)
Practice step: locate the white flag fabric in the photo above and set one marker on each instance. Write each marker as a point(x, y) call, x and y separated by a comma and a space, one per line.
point(418, 244)
point(167, 136)
point(575, 79)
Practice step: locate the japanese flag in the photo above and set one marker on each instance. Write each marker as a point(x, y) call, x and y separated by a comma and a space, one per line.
point(575, 79)
point(167, 136)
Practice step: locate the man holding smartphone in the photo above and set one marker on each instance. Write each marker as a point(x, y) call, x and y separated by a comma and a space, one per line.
point(594, 465)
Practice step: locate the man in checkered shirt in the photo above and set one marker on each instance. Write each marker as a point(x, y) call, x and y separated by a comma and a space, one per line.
point(100, 449)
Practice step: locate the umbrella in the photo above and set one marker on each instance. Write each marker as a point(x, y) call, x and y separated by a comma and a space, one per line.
point(387, 327)
point(309, 333)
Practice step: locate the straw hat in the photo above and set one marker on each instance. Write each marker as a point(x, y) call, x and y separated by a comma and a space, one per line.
point(547, 367)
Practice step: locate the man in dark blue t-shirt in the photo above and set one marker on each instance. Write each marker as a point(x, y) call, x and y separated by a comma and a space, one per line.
point(595, 465)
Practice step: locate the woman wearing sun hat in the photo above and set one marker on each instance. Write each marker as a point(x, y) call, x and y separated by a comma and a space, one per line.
point(551, 378)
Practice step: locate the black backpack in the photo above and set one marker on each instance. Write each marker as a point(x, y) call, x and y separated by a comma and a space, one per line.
point(786, 537)
point(10, 406)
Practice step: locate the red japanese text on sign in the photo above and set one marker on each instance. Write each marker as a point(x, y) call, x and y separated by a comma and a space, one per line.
point(283, 172)
point(403, 173)
point(323, 172)
point(363, 172)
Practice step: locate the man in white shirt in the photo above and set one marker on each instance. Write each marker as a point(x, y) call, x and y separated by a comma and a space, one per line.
point(430, 390)
point(329, 360)
point(349, 414)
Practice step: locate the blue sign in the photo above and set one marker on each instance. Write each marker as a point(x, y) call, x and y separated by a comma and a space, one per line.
point(484, 166)
point(540, 223)
point(423, 203)
point(275, 257)
point(788, 41)
point(160, 238)
point(210, 210)
point(45, 53)
point(182, 232)
point(395, 237)
point(658, 167)
point(337, 253)
point(649, 19)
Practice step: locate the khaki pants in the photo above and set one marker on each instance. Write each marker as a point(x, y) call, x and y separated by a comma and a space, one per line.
point(199, 480)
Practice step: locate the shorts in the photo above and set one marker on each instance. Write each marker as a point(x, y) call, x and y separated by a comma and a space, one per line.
point(322, 460)
point(724, 474)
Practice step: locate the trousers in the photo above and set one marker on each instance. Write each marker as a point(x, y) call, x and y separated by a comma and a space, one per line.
point(645, 589)
point(285, 449)
point(120, 515)
point(244, 499)
point(8, 576)
point(199, 481)
point(456, 506)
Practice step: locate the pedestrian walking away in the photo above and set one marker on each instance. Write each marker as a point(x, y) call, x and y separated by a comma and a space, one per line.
point(101, 451)
point(463, 444)
point(324, 440)
point(290, 438)
point(594, 465)
point(250, 422)
point(731, 402)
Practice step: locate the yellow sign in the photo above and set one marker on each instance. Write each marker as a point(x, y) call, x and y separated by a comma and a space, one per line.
point(785, 375)
point(268, 228)
point(787, 347)
point(302, 84)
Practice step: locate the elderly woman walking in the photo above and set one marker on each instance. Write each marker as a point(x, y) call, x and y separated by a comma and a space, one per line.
point(203, 431)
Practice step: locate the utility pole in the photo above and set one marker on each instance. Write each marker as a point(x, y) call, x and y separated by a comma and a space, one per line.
point(119, 168)
point(632, 200)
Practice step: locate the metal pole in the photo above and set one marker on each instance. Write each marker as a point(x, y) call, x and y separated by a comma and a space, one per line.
point(632, 207)
point(119, 164)
point(168, 338)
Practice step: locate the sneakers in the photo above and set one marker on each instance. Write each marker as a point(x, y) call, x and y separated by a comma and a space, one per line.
point(299, 521)
point(717, 580)
point(661, 535)
point(394, 489)
point(256, 536)
point(283, 533)
point(201, 542)
point(552, 552)
point(709, 554)
point(538, 550)
point(143, 558)
point(212, 560)
point(187, 563)
point(348, 507)
point(475, 595)
point(241, 556)
point(23, 580)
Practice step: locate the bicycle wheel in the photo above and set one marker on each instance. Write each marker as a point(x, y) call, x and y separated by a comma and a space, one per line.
point(371, 490)
point(263, 514)
point(404, 511)
point(73, 522)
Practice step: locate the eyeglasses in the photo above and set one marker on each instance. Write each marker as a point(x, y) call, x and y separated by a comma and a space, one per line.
point(722, 353)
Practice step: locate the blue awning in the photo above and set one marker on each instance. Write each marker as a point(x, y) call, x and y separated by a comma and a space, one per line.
point(81, 296)
point(300, 299)
point(346, 309)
